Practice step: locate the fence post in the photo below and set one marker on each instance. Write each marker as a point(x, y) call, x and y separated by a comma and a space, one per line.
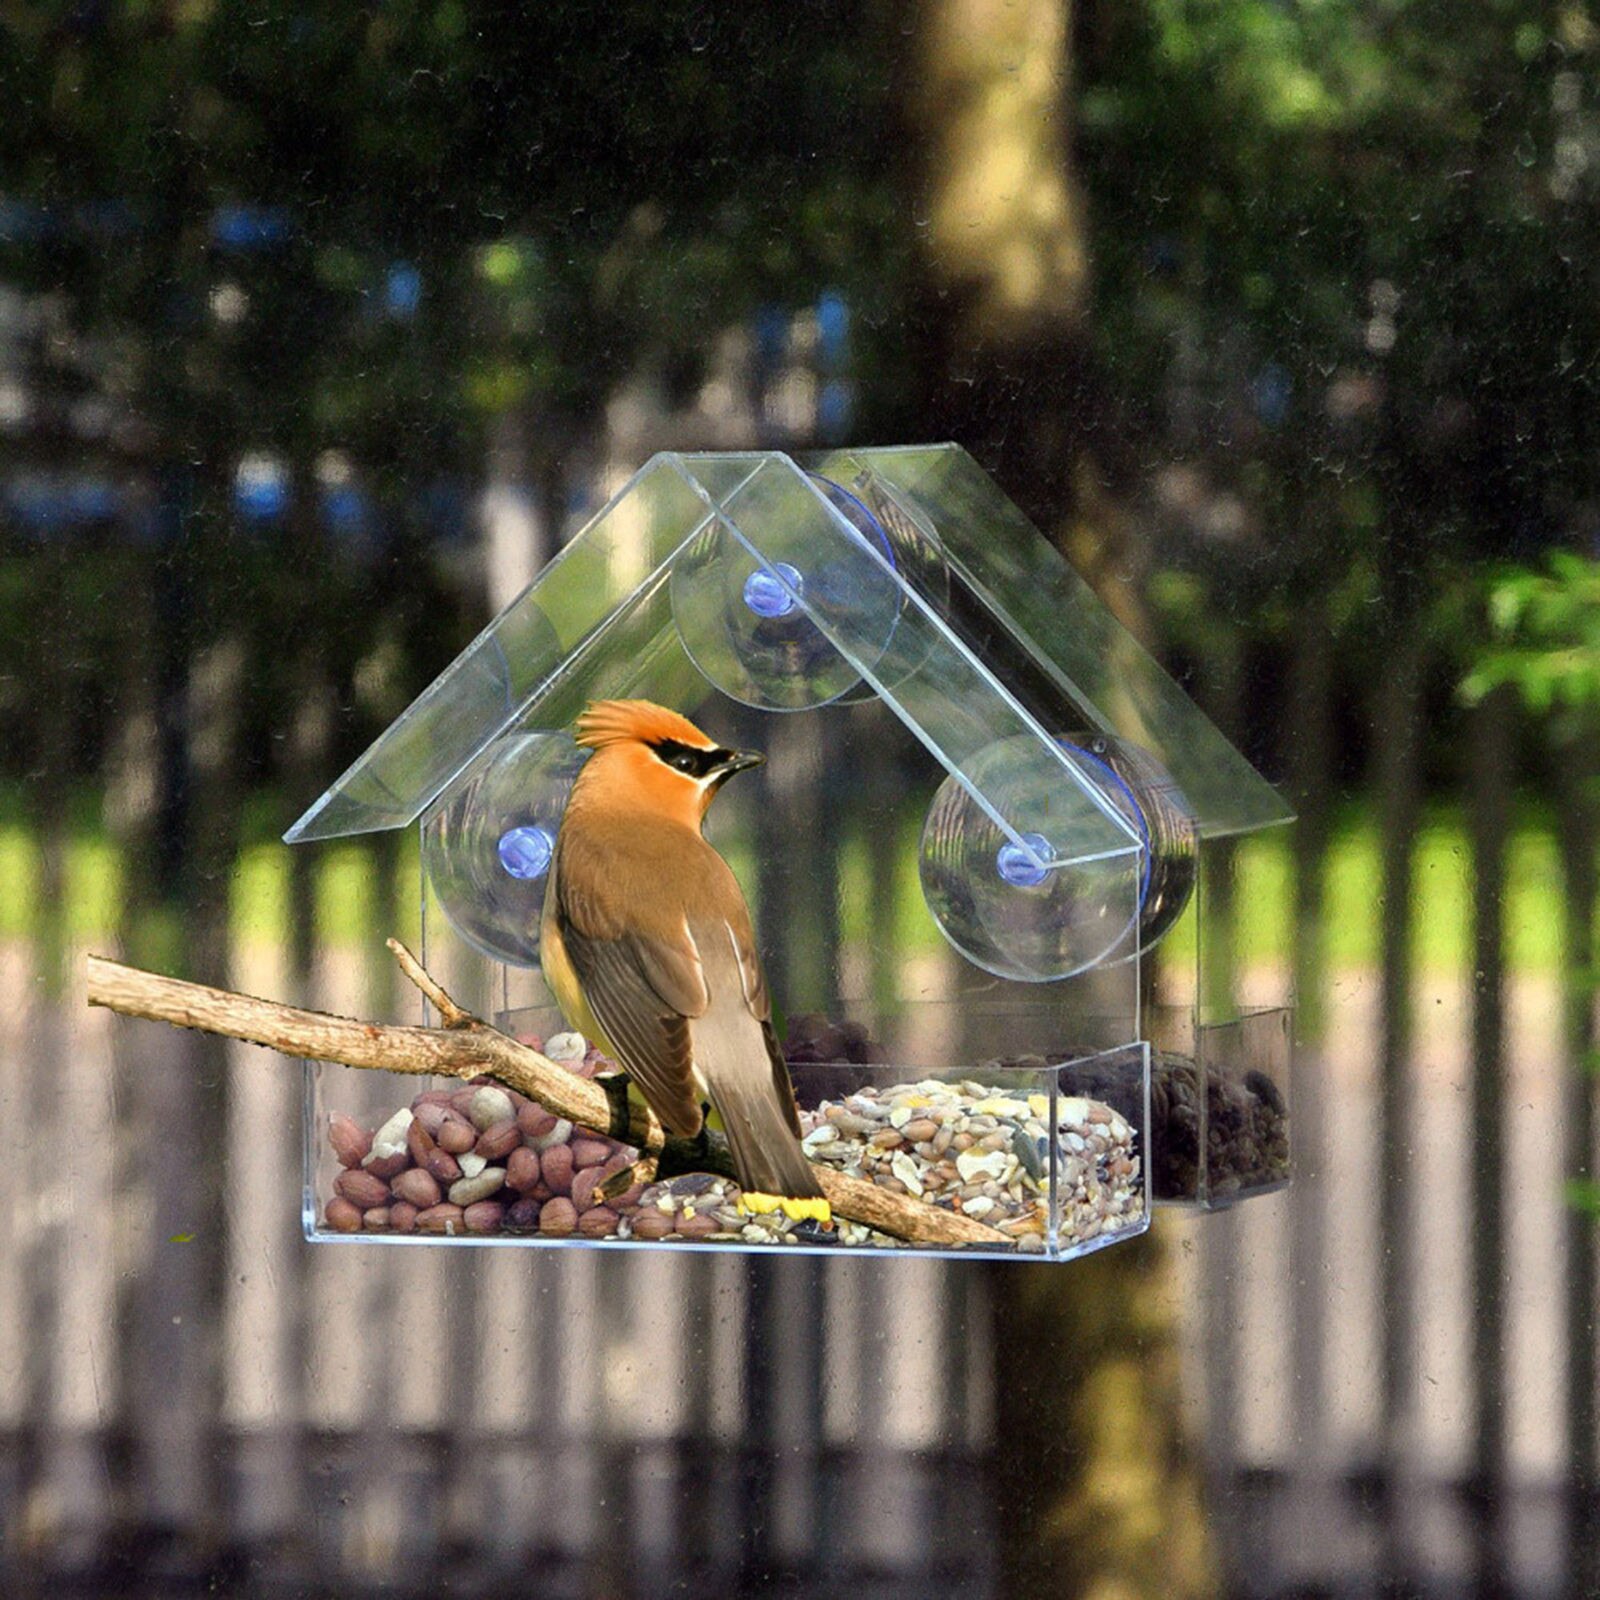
point(176, 1302)
point(45, 792)
point(1397, 734)
point(1576, 822)
point(1491, 748)
point(1310, 757)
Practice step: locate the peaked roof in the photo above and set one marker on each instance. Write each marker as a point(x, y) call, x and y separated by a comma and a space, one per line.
point(907, 573)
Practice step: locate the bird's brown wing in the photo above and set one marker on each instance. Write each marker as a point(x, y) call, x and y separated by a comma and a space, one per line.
point(651, 1037)
point(642, 987)
point(738, 1058)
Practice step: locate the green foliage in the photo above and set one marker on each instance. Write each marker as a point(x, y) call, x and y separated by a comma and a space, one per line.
point(1347, 286)
point(1345, 314)
point(569, 194)
point(580, 188)
point(1546, 633)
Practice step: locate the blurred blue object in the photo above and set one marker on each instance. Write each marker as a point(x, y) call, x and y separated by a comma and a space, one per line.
point(246, 228)
point(1271, 392)
point(402, 291)
point(836, 406)
point(445, 508)
point(45, 506)
point(772, 336)
point(833, 328)
point(345, 510)
point(23, 223)
point(260, 489)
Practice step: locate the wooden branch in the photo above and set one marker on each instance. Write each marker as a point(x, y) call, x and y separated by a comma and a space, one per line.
point(467, 1047)
point(454, 1016)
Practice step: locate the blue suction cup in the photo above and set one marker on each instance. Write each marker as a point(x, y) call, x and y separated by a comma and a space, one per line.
point(1031, 907)
point(488, 843)
point(750, 627)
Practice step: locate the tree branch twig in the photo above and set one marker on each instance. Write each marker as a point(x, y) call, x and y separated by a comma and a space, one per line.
point(468, 1047)
point(454, 1016)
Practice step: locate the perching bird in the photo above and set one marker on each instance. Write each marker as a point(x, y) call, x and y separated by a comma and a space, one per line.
point(647, 945)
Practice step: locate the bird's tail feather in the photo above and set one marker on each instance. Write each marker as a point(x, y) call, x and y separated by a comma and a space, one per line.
point(766, 1154)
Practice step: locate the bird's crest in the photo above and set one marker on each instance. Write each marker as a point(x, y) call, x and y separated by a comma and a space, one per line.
point(605, 722)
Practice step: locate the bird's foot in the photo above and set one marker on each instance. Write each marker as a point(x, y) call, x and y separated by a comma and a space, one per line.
point(617, 1086)
point(753, 1203)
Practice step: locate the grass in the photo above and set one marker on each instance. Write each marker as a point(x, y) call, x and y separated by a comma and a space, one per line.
point(347, 902)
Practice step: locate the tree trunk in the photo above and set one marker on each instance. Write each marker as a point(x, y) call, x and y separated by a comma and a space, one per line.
point(1097, 1490)
point(1003, 298)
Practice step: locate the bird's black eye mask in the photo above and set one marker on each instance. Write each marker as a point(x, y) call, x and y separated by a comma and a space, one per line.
point(690, 759)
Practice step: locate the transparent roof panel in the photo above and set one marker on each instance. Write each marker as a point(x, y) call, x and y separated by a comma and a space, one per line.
point(1012, 586)
point(901, 574)
point(488, 685)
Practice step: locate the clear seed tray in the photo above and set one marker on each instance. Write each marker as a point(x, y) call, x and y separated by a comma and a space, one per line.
point(411, 1160)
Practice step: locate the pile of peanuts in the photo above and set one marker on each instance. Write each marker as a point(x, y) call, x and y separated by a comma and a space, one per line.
point(476, 1160)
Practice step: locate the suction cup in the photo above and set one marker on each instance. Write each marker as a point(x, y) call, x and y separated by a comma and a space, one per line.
point(1026, 909)
point(748, 626)
point(487, 847)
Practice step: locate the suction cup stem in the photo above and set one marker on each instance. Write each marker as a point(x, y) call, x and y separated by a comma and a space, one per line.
point(771, 591)
point(750, 623)
point(525, 851)
point(1018, 866)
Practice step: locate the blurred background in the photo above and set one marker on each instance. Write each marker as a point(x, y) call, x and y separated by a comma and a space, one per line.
point(322, 328)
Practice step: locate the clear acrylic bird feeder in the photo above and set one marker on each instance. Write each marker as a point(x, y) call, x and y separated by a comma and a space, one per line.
point(985, 812)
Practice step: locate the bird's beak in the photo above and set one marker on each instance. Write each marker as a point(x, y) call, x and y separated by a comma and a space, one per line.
point(741, 761)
